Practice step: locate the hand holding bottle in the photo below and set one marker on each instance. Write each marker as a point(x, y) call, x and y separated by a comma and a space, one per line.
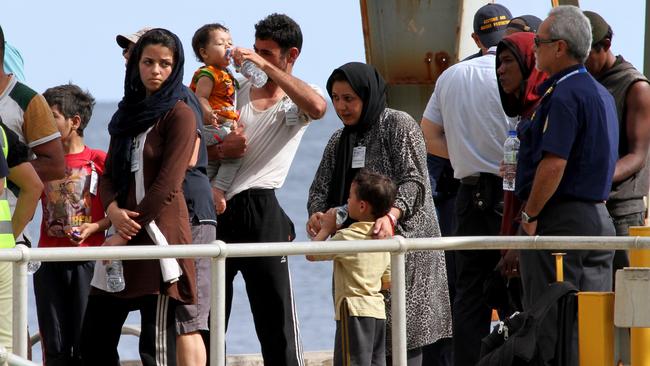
point(250, 66)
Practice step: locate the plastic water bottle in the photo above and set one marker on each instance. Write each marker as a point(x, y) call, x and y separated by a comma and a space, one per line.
point(510, 152)
point(341, 215)
point(114, 276)
point(250, 71)
point(33, 266)
point(253, 73)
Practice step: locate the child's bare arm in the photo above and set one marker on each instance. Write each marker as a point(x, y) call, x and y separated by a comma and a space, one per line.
point(203, 90)
point(327, 228)
point(327, 225)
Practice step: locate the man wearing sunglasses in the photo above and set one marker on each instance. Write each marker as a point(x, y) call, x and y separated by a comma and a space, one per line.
point(566, 162)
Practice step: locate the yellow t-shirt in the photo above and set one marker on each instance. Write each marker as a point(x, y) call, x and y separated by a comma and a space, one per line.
point(358, 277)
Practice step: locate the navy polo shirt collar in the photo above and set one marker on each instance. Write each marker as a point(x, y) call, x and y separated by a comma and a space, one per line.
point(553, 79)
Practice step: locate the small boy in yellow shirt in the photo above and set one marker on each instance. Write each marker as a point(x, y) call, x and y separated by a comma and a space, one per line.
point(360, 312)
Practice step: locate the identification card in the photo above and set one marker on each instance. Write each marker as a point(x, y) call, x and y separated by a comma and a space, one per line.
point(359, 157)
point(135, 163)
point(94, 178)
point(291, 115)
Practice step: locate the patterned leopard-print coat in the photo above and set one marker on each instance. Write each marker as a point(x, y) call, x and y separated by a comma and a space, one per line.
point(395, 147)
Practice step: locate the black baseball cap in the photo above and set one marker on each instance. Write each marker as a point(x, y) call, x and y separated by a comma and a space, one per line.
point(490, 23)
point(525, 23)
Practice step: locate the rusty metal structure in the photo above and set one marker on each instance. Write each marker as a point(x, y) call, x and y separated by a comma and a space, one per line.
point(411, 42)
point(409, 47)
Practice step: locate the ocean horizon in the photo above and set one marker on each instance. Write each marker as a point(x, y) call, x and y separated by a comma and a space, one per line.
point(311, 280)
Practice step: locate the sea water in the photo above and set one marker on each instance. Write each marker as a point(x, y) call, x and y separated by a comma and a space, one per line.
point(311, 281)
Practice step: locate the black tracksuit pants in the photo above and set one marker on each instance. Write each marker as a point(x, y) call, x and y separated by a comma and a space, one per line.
point(255, 216)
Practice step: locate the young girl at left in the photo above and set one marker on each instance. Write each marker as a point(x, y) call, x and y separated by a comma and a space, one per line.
point(152, 139)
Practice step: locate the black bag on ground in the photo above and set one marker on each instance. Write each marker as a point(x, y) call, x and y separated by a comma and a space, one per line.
point(541, 336)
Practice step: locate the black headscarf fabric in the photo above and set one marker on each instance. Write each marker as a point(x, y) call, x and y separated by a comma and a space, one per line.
point(370, 86)
point(137, 112)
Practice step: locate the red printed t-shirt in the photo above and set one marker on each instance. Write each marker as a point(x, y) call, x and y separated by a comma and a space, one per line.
point(69, 202)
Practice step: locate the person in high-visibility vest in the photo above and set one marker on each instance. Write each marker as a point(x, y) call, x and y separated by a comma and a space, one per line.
point(6, 241)
point(14, 165)
point(6, 231)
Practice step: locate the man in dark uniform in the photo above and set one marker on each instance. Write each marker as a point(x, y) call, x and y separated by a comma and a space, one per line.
point(566, 159)
point(631, 92)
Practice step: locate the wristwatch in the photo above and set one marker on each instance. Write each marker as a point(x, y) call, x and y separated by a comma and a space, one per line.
point(525, 218)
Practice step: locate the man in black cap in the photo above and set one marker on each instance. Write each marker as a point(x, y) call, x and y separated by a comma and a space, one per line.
point(631, 92)
point(474, 130)
point(523, 23)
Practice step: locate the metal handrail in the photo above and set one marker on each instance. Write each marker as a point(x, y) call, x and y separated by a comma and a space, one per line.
point(127, 329)
point(218, 251)
point(13, 360)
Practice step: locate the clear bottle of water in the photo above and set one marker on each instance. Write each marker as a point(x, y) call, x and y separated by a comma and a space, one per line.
point(33, 266)
point(250, 71)
point(510, 152)
point(341, 215)
point(114, 276)
point(253, 73)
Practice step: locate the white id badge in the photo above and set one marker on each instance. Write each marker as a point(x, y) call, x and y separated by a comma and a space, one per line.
point(359, 157)
point(291, 115)
point(93, 182)
point(135, 163)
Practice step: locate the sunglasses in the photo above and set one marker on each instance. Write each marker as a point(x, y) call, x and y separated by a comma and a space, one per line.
point(539, 41)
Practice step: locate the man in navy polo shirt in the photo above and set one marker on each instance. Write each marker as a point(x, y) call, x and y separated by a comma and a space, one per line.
point(567, 158)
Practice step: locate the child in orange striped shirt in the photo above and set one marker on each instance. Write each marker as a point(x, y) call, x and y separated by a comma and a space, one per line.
point(215, 88)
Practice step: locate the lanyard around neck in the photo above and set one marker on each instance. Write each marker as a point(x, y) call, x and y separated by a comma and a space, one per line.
point(548, 92)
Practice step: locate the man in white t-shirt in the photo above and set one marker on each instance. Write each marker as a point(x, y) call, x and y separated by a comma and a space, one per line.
point(275, 117)
point(464, 122)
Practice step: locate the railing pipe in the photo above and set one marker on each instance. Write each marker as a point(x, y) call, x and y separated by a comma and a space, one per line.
point(21, 255)
point(218, 307)
point(296, 248)
point(121, 252)
point(398, 303)
point(301, 248)
point(13, 360)
point(19, 303)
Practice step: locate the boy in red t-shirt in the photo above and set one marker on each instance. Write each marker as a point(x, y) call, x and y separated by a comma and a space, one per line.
point(72, 216)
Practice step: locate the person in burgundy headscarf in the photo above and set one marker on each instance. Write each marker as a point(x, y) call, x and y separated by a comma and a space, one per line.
point(518, 79)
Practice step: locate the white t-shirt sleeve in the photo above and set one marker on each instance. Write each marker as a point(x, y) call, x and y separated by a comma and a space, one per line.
point(432, 111)
point(304, 116)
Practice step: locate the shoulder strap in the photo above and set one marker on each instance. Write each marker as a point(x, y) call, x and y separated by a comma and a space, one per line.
point(552, 294)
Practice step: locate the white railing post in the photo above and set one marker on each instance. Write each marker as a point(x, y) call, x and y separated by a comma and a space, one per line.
point(218, 308)
point(398, 303)
point(13, 360)
point(19, 303)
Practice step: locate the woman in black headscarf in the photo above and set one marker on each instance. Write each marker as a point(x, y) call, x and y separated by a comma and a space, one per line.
point(152, 140)
point(389, 142)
